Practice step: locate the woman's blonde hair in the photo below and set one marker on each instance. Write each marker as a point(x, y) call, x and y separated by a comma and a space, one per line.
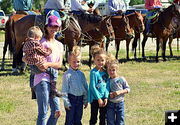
point(96, 50)
point(76, 52)
point(34, 32)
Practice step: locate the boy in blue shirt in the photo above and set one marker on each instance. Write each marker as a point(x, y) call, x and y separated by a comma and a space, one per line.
point(75, 86)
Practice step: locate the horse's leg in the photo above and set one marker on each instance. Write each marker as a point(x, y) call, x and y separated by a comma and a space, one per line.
point(127, 48)
point(90, 57)
point(117, 42)
point(170, 48)
point(21, 63)
point(134, 44)
point(14, 65)
point(4, 53)
point(157, 48)
point(107, 43)
point(164, 49)
point(143, 46)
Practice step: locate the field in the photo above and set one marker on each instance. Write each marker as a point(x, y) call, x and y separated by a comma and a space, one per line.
point(155, 88)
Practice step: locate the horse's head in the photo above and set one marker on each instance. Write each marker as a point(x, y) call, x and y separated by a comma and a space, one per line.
point(126, 26)
point(176, 9)
point(139, 22)
point(106, 28)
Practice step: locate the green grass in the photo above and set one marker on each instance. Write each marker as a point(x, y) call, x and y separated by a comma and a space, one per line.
point(155, 88)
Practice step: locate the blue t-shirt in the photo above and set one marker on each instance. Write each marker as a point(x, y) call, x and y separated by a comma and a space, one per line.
point(98, 85)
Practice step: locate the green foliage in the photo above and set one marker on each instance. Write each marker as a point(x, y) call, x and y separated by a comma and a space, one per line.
point(135, 2)
point(6, 6)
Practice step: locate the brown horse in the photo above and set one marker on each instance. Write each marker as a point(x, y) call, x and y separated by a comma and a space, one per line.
point(136, 25)
point(8, 35)
point(162, 29)
point(96, 37)
point(71, 30)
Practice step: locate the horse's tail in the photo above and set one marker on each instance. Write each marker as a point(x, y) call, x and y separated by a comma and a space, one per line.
point(13, 43)
point(8, 36)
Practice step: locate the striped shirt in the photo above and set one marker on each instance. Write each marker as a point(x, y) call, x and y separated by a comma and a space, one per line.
point(35, 53)
point(117, 84)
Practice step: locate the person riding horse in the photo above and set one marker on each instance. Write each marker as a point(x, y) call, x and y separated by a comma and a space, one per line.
point(23, 7)
point(152, 6)
point(117, 7)
point(79, 7)
point(56, 5)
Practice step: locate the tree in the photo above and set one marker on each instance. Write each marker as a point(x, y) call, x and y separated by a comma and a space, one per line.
point(135, 2)
point(6, 5)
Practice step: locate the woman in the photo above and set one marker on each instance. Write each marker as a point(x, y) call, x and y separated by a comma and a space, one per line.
point(42, 80)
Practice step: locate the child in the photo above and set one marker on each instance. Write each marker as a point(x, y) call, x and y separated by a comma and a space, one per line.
point(98, 93)
point(35, 56)
point(75, 87)
point(118, 87)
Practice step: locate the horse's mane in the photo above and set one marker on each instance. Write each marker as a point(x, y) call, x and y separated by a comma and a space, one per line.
point(91, 17)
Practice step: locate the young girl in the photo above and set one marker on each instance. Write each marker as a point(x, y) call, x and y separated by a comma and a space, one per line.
point(75, 86)
point(118, 87)
point(98, 94)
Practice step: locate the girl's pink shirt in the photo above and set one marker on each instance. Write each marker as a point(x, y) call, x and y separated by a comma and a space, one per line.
point(55, 56)
point(151, 4)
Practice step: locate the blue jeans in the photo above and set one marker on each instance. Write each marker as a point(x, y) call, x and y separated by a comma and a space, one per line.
point(74, 115)
point(148, 22)
point(115, 113)
point(42, 91)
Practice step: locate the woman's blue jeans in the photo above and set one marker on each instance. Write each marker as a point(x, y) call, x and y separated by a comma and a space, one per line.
point(115, 113)
point(42, 91)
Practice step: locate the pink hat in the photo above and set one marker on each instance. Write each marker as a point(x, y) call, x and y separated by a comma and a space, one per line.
point(54, 21)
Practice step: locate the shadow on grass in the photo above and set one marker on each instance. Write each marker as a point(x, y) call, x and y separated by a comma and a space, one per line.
point(150, 59)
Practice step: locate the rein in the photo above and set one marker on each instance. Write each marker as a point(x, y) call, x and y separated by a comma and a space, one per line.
point(90, 38)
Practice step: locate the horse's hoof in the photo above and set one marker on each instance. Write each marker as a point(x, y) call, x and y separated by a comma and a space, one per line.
point(14, 71)
point(157, 60)
point(144, 58)
point(2, 69)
